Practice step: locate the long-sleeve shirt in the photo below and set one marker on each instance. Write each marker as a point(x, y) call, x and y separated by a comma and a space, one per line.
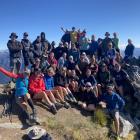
point(49, 82)
point(21, 82)
point(113, 101)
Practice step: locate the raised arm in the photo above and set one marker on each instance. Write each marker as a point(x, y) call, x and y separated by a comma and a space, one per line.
point(7, 73)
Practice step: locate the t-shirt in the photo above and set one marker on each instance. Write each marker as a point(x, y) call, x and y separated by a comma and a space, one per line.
point(120, 76)
point(116, 43)
point(86, 79)
point(73, 36)
point(114, 101)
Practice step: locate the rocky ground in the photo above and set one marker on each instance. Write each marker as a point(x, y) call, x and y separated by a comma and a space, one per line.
point(71, 124)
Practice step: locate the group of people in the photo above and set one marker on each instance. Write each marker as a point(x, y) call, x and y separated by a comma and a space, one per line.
point(81, 71)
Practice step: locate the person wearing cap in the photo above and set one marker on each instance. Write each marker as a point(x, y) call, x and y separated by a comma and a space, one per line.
point(21, 91)
point(27, 50)
point(105, 42)
point(15, 48)
point(114, 104)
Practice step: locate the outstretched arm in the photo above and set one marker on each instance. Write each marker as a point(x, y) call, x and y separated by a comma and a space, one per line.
point(7, 73)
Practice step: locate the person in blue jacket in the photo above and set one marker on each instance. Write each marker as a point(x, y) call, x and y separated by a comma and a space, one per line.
point(114, 103)
point(22, 95)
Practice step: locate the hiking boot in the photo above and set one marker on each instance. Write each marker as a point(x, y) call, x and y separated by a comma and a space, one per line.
point(58, 105)
point(67, 105)
point(53, 109)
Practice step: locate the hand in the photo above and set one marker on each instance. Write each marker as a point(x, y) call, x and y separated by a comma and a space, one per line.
point(103, 104)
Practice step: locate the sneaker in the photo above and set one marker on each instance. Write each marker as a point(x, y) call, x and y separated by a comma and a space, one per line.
point(53, 109)
point(58, 105)
point(66, 105)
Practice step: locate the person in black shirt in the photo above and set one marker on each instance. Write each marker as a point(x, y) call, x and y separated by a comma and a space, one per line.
point(88, 78)
point(70, 64)
point(27, 50)
point(59, 51)
point(61, 80)
point(119, 78)
point(89, 98)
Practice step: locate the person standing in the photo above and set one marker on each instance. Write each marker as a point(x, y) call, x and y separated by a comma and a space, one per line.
point(15, 49)
point(129, 50)
point(115, 40)
point(27, 50)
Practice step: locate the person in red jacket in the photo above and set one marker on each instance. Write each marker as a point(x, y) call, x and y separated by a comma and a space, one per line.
point(21, 91)
point(38, 90)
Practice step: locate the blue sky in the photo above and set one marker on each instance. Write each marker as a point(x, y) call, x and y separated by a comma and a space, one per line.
point(97, 16)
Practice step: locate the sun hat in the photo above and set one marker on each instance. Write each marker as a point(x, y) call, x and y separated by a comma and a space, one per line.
point(25, 34)
point(107, 34)
point(36, 132)
point(13, 34)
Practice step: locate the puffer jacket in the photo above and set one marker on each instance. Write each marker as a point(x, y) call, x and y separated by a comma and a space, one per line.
point(36, 84)
point(14, 49)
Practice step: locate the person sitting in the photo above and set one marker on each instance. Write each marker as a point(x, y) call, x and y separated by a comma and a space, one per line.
point(52, 61)
point(81, 66)
point(61, 80)
point(70, 64)
point(93, 66)
point(119, 78)
point(103, 78)
point(111, 53)
point(89, 98)
point(38, 90)
point(62, 61)
point(49, 82)
point(21, 92)
point(114, 104)
point(88, 78)
point(73, 80)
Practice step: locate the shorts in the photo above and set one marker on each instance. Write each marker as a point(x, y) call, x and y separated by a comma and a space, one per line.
point(19, 99)
point(15, 61)
point(114, 114)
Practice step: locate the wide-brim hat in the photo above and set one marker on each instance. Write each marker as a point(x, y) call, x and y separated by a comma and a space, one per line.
point(36, 132)
point(25, 34)
point(13, 34)
point(107, 34)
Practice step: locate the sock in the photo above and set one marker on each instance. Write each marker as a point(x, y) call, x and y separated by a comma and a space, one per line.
point(71, 95)
point(31, 104)
point(27, 116)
